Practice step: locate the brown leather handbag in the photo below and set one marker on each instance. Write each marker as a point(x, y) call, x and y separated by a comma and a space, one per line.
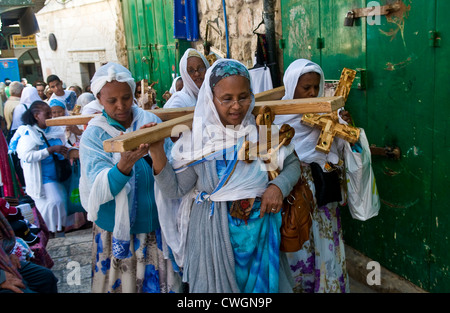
point(296, 217)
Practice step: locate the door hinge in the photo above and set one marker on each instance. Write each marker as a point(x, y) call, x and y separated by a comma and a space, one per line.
point(434, 38)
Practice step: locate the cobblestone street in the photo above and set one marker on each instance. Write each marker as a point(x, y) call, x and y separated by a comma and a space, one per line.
point(76, 247)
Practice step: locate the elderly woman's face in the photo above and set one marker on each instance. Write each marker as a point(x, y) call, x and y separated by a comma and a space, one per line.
point(117, 99)
point(232, 98)
point(196, 69)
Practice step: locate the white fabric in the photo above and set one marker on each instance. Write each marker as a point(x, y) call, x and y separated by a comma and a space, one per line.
point(362, 192)
point(180, 99)
point(173, 215)
point(29, 95)
point(110, 72)
point(85, 98)
point(52, 206)
point(93, 195)
point(173, 87)
point(305, 138)
point(187, 96)
point(67, 94)
point(261, 79)
point(92, 107)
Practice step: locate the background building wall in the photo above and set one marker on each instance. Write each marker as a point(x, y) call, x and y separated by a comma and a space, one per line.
point(88, 33)
point(243, 17)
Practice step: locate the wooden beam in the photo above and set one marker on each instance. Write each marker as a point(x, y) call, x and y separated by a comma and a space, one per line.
point(167, 114)
point(70, 120)
point(301, 106)
point(132, 140)
point(163, 114)
point(272, 94)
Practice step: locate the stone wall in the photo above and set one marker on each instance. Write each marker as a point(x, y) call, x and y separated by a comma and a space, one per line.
point(243, 17)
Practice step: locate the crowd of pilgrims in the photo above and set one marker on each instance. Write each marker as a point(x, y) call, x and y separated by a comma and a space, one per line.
point(161, 215)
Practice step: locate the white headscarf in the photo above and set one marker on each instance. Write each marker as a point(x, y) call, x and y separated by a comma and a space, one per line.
point(207, 125)
point(187, 96)
point(29, 95)
point(85, 98)
point(305, 139)
point(189, 85)
point(173, 87)
point(109, 72)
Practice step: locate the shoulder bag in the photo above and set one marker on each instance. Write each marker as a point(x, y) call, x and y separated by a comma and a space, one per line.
point(63, 167)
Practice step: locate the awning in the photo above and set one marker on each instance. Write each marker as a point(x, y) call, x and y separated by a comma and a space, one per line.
point(21, 12)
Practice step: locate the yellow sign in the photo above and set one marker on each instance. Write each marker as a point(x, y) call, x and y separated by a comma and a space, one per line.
point(19, 42)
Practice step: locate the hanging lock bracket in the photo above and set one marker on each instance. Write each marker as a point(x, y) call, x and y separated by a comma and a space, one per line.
point(371, 11)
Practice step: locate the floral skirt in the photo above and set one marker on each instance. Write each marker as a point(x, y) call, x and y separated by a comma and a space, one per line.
point(146, 271)
point(320, 265)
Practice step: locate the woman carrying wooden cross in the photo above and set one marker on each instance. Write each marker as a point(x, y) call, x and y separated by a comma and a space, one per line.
point(117, 191)
point(320, 265)
point(233, 234)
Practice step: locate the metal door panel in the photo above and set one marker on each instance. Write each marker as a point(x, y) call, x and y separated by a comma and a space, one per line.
point(299, 21)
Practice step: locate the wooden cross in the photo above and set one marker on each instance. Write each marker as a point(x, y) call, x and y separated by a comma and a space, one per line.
point(163, 130)
point(184, 116)
point(265, 147)
point(329, 123)
point(163, 114)
point(148, 95)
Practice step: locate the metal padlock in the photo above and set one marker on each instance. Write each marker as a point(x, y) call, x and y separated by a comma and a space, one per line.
point(349, 19)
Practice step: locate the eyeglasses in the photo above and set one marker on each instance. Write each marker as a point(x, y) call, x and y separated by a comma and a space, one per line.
point(242, 102)
point(200, 70)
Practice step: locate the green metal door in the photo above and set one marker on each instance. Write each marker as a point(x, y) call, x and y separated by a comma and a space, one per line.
point(440, 132)
point(399, 113)
point(404, 103)
point(299, 21)
point(153, 53)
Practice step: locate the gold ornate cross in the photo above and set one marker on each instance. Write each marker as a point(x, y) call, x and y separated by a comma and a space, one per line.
point(329, 123)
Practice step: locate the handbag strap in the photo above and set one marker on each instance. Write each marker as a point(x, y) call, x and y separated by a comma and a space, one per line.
point(46, 141)
point(45, 138)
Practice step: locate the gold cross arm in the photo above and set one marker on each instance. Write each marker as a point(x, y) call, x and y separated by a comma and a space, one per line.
point(329, 123)
point(330, 128)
